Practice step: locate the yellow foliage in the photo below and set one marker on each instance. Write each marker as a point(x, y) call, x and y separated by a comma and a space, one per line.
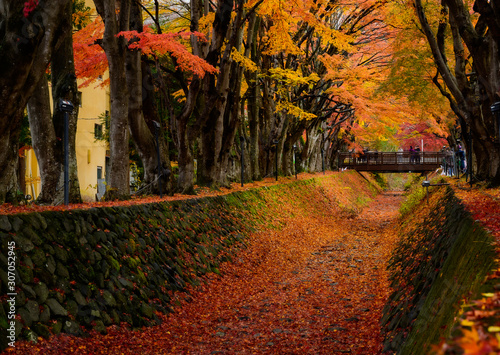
point(179, 95)
point(291, 77)
point(245, 62)
point(293, 110)
point(205, 23)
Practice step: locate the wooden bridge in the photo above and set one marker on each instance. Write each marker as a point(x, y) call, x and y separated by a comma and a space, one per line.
point(391, 162)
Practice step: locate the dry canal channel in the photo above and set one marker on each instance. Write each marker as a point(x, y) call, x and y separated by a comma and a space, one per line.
point(317, 286)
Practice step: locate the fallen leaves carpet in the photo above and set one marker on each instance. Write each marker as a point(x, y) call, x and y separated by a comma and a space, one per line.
point(317, 286)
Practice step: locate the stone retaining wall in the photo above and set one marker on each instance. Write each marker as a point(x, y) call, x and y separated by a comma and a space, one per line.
point(442, 259)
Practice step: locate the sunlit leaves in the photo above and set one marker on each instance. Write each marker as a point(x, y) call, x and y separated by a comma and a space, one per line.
point(244, 61)
point(168, 43)
point(90, 59)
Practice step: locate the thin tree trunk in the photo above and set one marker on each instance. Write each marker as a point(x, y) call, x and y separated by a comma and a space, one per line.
point(116, 49)
point(141, 100)
point(64, 86)
point(45, 145)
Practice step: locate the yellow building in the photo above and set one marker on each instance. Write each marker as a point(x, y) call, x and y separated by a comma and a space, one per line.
point(91, 153)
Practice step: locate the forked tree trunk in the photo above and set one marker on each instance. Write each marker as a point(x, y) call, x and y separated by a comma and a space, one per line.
point(141, 101)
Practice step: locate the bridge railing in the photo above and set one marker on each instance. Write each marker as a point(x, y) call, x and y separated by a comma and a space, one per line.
point(390, 158)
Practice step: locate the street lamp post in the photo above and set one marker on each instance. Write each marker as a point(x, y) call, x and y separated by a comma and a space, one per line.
point(323, 160)
point(67, 107)
point(242, 143)
point(275, 143)
point(157, 131)
point(294, 162)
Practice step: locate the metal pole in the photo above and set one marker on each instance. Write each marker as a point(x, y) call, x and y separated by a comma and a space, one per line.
point(469, 162)
point(66, 158)
point(276, 156)
point(242, 142)
point(160, 172)
point(323, 160)
point(294, 163)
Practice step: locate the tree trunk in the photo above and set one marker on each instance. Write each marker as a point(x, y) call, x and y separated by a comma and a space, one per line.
point(27, 45)
point(64, 86)
point(150, 114)
point(45, 145)
point(185, 183)
point(141, 100)
point(252, 98)
point(116, 49)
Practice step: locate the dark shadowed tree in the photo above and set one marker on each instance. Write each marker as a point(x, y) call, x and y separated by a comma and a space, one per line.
point(26, 44)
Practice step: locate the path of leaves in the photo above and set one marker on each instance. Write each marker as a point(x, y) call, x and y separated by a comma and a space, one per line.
point(316, 287)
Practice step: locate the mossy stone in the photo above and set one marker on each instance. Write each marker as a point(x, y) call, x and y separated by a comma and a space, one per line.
point(56, 327)
point(45, 314)
point(25, 244)
point(106, 319)
point(51, 264)
point(5, 224)
point(42, 292)
point(115, 317)
point(100, 327)
point(109, 299)
point(42, 330)
point(62, 271)
point(56, 308)
point(68, 225)
point(29, 233)
point(61, 253)
point(30, 292)
point(25, 274)
point(16, 223)
point(38, 257)
point(72, 327)
point(72, 307)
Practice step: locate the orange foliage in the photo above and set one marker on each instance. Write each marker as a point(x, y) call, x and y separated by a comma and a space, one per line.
point(91, 62)
point(160, 44)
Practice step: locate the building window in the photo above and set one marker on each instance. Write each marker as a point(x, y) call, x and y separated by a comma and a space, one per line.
point(98, 131)
point(79, 98)
point(99, 173)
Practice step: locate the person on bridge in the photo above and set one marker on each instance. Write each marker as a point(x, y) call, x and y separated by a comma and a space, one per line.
point(412, 155)
point(417, 155)
point(400, 155)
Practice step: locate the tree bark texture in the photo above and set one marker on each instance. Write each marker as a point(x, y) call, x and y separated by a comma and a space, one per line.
point(27, 44)
point(64, 86)
point(116, 52)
